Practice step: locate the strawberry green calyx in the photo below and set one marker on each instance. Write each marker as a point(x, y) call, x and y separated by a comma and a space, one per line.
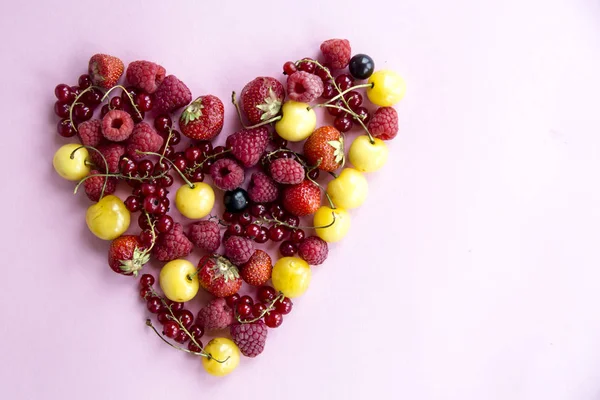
point(223, 267)
point(133, 266)
point(338, 146)
point(270, 107)
point(192, 112)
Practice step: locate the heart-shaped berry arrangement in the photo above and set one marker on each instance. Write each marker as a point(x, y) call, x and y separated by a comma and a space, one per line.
point(285, 188)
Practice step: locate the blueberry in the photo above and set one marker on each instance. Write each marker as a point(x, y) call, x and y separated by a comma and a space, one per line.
point(361, 66)
point(236, 200)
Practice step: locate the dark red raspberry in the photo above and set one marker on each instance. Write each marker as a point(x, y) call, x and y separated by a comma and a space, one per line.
point(206, 235)
point(172, 245)
point(215, 315)
point(238, 249)
point(336, 52)
point(248, 145)
point(117, 125)
point(384, 123)
point(143, 138)
point(262, 189)
point(145, 75)
point(250, 338)
point(112, 152)
point(304, 87)
point(287, 171)
point(227, 174)
point(90, 132)
point(313, 250)
point(171, 95)
point(93, 186)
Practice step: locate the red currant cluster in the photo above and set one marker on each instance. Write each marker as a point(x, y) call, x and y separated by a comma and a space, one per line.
point(270, 307)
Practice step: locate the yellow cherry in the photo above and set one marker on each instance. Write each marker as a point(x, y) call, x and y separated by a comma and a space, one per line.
point(108, 218)
point(179, 281)
point(349, 190)
point(388, 88)
point(221, 349)
point(335, 229)
point(297, 121)
point(367, 156)
point(291, 276)
point(72, 169)
point(196, 202)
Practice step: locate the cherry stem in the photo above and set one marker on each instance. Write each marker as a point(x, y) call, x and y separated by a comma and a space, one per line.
point(189, 277)
point(89, 88)
point(267, 310)
point(362, 85)
point(162, 156)
point(128, 96)
point(239, 113)
point(186, 180)
point(72, 156)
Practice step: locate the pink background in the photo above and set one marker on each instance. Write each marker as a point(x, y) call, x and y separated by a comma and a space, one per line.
point(471, 273)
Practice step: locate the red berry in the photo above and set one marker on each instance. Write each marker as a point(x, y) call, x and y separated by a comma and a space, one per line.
point(146, 280)
point(154, 305)
point(185, 317)
point(244, 310)
point(287, 248)
point(171, 329)
point(145, 167)
point(145, 292)
point(323, 73)
point(252, 231)
point(84, 81)
point(245, 219)
point(205, 147)
point(258, 309)
point(127, 166)
point(289, 68)
point(363, 113)
point(163, 317)
point(246, 300)
point(151, 204)
point(61, 109)
point(235, 229)
point(146, 238)
point(180, 163)
point(297, 236)
point(144, 102)
point(147, 189)
point(196, 331)
point(197, 176)
point(132, 203)
point(192, 346)
point(284, 306)
point(175, 306)
point(229, 217)
point(116, 103)
point(292, 220)
point(217, 152)
point(63, 93)
point(162, 192)
point(182, 337)
point(276, 233)
point(273, 319)
point(336, 111)
point(166, 181)
point(277, 211)
point(104, 110)
point(175, 138)
point(163, 123)
point(343, 123)
point(232, 300)
point(164, 224)
point(192, 154)
point(207, 164)
point(258, 210)
point(344, 81)
point(354, 99)
point(65, 129)
point(263, 236)
point(314, 174)
point(329, 91)
point(307, 66)
point(266, 294)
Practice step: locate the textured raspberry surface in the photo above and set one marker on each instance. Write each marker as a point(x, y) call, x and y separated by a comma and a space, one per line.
point(206, 235)
point(215, 315)
point(145, 75)
point(250, 338)
point(112, 152)
point(117, 125)
point(227, 174)
point(304, 87)
point(257, 271)
point(93, 186)
point(143, 138)
point(90, 132)
point(171, 95)
point(287, 171)
point(238, 249)
point(384, 123)
point(313, 250)
point(248, 145)
point(262, 189)
point(336, 52)
point(171, 245)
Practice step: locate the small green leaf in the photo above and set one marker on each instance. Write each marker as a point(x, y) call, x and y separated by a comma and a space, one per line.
point(270, 107)
point(338, 146)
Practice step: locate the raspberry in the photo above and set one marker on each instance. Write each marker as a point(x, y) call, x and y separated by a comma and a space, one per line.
point(313, 250)
point(304, 87)
point(145, 75)
point(250, 338)
point(215, 315)
point(143, 138)
point(206, 235)
point(171, 95)
point(238, 249)
point(171, 245)
point(384, 123)
point(227, 174)
point(262, 189)
point(112, 152)
point(93, 186)
point(90, 132)
point(287, 171)
point(336, 52)
point(248, 145)
point(117, 125)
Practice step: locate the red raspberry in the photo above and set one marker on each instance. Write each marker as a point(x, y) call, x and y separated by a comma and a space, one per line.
point(206, 235)
point(145, 75)
point(287, 171)
point(313, 250)
point(262, 189)
point(337, 53)
point(171, 95)
point(143, 138)
point(90, 132)
point(227, 174)
point(172, 245)
point(304, 87)
point(93, 186)
point(112, 152)
point(117, 125)
point(248, 145)
point(238, 249)
point(250, 338)
point(384, 123)
point(215, 315)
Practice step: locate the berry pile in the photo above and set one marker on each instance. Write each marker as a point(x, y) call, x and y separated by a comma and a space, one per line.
point(149, 133)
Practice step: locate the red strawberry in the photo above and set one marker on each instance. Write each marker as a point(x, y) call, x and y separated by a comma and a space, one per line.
point(105, 70)
point(302, 199)
point(325, 147)
point(257, 271)
point(261, 99)
point(126, 255)
point(203, 118)
point(219, 276)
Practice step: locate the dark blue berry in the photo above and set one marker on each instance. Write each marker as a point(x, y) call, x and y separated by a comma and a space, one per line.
point(236, 200)
point(361, 66)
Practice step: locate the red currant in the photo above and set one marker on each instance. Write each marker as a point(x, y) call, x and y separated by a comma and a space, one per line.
point(244, 310)
point(266, 294)
point(354, 99)
point(329, 91)
point(284, 306)
point(185, 317)
point(175, 138)
point(307, 66)
point(336, 111)
point(344, 81)
point(263, 236)
point(314, 174)
point(277, 211)
point(180, 163)
point(84, 81)
point(161, 192)
point(144, 102)
point(245, 219)
point(147, 280)
point(323, 73)
point(273, 319)
point(229, 217)
point(166, 181)
point(287, 248)
point(205, 147)
point(145, 292)
point(127, 166)
point(219, 152)
point(175, 305)
point(146, 237)
point(145, 167)
point(235, 229)
point(182, 337)
point(61, 109)
point(197, 176)
point(343, 123)
point(289, 68)
point(65, 129)
point(246, 300)
point(147, 189)
point(104, 110)
point(363, 113)
point(192, 346)
point(232, 300)
point(63, 93)
point(252, 231)
point(164, 224)
point(163, 317)
point(171, 329)
point(258, 309)
point(297, 236)
point(292, 220)
point(132, 203)
point(162, 123)
point(192, 154)
point(196, 331)
point(154, 305)
point(258, 210)
point(276, 233)
point(207, 164)
point(116, 103)
point(151, 204)
point(92, 98)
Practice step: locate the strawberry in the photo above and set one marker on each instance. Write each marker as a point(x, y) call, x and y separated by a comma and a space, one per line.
point(302, 199)
point(126, 255)
point(261, 99)
point(219, 276)
point(105, 70)
point(325, 148)
point(203, 118)
point(257, 271)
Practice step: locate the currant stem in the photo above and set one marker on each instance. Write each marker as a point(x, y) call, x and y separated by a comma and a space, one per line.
point(354, 115)
point(239, 113)
point(149, 323)
point(275, 221)
point(89, 88)
point(72, 156)
point(267, 310)
point(128, 96)
point(362, 85)
point(186, 180)
point(199, 165)
point(153, 230)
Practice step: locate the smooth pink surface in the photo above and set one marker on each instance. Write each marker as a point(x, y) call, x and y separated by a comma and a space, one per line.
point(471, 273)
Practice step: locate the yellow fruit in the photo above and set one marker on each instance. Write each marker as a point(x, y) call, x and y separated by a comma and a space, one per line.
point(388, 88)
point(179, 281)
point(349, 190)
point(197, 202)
point(221, 349)
point(297, 122)
point(367, 156)
point(109, 218)
point(72, 169)
point(291, 276)
point(339, 227)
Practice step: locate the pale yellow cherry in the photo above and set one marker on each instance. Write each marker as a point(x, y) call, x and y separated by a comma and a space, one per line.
point(195, 202)
point(367, 156)
point(224, 356)
point(108, 218)
point(334, 223)
point(291, 276)
point(69, 165)
point(387, 88)
point(349, 190)
point(298, 121)
point(179, 281)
